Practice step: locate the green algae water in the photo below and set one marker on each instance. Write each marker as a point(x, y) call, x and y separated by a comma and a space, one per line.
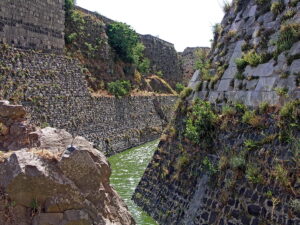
point(127, 170)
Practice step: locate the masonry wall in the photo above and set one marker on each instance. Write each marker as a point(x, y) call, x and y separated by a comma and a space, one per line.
point(54, 90)
point(34, 24)
point(163, 58)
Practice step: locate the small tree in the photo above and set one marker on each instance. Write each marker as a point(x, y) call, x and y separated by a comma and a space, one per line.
point(123, 39)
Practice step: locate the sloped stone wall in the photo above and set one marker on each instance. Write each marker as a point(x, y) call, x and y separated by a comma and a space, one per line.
point(54, 90)
point(250, 27)
point(230, 181)
point(34, 24)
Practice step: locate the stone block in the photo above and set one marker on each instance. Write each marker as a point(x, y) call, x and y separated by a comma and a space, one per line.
point(295, 67)
point(295, 50)
point(265, 84)
point(262, 70)
point(224, 85)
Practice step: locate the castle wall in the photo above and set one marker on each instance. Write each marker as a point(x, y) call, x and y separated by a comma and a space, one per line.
point(34, 24)
point(54, 90)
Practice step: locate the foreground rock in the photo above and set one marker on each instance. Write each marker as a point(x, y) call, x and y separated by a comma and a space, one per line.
point(42, 183)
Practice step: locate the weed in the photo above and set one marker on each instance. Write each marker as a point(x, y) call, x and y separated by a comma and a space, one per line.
point(209, 166)
point(179, 87)
point(228, 110)
point(239, 76)
point(253, 174)
point(277, 7)
point(263, 107)
point(288, 14)
point(241, 64)
point(250, 144)
point(237, 162)
point(281, 91)
point(200, 122)
point(119, 88)
point(289, 34)
point(281, 175)
point(252, 58)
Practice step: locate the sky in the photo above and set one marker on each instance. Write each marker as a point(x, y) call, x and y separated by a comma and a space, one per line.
point(185, 23)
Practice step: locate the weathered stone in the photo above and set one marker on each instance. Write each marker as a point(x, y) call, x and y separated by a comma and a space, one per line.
point(295, 67)
point(265, 84)
point(262, 70)
point(295, 50)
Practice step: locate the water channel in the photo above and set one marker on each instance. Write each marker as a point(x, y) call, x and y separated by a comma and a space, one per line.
point(127, 170)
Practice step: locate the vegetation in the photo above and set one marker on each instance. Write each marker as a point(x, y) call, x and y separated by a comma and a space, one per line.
point(69, 5)
point(288, 14)
point(226, 7)
point(142, 63)
point(123, 39)
point(179, 87)
point(289, 34)
point(185, 92)
point(119, 88)
point(262, 2)
point(277, 7)
point(252, 58)
point(200, 123)
point(281, 91)
point(237, 162)
point(241, 63)
point(253, 174)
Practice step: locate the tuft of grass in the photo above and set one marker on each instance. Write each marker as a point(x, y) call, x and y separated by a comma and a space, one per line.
point(263, 107)
point(228, 110)
point(253, 174)
point(252, 58)
point(237, 162)
point(281, 91)
point(288, 14)
point(241, 64)
point(277, 7)
point(289, 34)
point(226, 6)
point(281, 175)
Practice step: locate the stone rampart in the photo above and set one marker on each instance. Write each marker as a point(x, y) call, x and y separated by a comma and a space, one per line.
point(34, 24)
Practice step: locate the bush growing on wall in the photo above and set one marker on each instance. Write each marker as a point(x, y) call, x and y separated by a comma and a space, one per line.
point(69, 5)
point(123, 39)
point(119, 88)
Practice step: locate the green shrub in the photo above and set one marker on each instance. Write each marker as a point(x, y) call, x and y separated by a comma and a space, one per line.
point(209, 167)
point(70, 38)
point(288, 14)
point(241, 63)
point(179, 87)
point(248, 115)
point(263, 107)
point(119, 88)
point(239, 76)
point(289, 34)
point(123, 39)
point(281, 175)
point(253, 174)
point(200, 122)
point(142, 63)
point(69, 5)
point(228, 110)
point(252, 58)
point(281, 91)
point(237, 162)
point(290, 112)
point(277, 7)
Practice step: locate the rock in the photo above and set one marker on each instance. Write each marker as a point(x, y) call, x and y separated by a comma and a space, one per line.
point(262, 70)
point(194, 80)
point(66, 188)
point(295, 50)
point(295, 67)
point(11, 111)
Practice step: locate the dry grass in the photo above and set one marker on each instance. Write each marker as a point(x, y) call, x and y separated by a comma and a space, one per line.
point(45, 154)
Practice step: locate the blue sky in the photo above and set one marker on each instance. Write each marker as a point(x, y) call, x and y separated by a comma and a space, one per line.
point(185, 23)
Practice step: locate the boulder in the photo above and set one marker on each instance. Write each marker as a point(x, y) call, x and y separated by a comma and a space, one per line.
point(51, 183)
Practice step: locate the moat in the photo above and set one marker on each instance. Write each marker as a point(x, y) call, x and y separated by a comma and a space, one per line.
point(127, 169)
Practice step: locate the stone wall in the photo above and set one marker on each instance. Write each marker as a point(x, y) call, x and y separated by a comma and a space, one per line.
point(34, 24)
point(246, 174)
point(54, 90)
point(163, 58)
point(249, 28)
